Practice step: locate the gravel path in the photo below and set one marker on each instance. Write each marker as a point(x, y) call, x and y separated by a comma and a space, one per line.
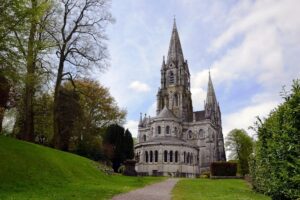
point(157, 191)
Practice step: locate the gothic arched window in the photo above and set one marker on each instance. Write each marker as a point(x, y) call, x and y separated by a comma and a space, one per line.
point(156, 156)
point(176, 99)
point(145, 137)
point(158, 130)
point(184, 157)
point(171, 156)
point(171, 77)
point(168, 130)
point(201, 133)
point(151, 156)
point(166, 156)
point(190, 134)
point(146, 156)
point(176, 156)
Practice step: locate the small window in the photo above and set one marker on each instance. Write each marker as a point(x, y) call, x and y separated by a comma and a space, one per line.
point(176, 156)
point(176, 99)
point(151, 156)
point(158, 129)
point(171, 77)
point(201, 133)
point(145, 138)
point(168, 130)
point(190, 135)
point(166, 156)
point(156, 156)
point(146, 156)
point(171, 156)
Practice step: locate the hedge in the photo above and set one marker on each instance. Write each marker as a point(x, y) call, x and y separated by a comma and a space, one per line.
point(223, 169)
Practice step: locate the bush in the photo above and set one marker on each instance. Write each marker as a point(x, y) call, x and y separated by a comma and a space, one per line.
point(275, 165)
point(223, 169)
point(205, 174)
point(121, 169)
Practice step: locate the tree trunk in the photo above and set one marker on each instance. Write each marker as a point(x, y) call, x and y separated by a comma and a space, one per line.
point(56, 122)
point(2, 110)
point(30, 80)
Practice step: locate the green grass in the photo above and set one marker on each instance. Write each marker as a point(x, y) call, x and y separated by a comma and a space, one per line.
point(30, 171)
point(206, 189)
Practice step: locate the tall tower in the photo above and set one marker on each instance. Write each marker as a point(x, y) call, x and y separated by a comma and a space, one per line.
point(213, 113)
point(174, 92)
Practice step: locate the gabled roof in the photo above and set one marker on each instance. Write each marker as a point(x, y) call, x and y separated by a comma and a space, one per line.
point(166, 113)
point(200, 115)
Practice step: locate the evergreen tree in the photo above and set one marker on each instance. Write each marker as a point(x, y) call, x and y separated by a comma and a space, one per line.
point(118, 145)
point(128, 145)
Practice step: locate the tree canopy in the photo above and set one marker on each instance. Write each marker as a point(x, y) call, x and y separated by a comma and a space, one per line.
point(240, 145)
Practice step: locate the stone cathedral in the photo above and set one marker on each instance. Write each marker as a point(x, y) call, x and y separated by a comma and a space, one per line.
point(179, 141)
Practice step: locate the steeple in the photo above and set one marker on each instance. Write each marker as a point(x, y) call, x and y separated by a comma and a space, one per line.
point(211, 96)
point(175, 51)
point(212, 109)
point(174, 92)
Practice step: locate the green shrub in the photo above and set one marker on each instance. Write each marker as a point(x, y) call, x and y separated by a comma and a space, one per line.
point(121, 169)
point(205, 174)
point(223, 169)
point(275, 167)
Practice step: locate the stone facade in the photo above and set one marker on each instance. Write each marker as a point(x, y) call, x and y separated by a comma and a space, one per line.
point(179, 141)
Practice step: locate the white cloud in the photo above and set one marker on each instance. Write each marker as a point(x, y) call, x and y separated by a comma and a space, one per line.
point(139, 86)
point(246, 117)
point(132, 126)
point(198, 97)
point(255, 42)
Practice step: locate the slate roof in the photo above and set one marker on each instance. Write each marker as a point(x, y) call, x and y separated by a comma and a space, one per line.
point(200, 115)
point(166, 113)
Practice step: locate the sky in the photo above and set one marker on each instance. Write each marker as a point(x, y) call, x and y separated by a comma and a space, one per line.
point(251, 48)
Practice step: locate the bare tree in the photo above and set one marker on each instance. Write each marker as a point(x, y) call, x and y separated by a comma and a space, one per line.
point(79, 31)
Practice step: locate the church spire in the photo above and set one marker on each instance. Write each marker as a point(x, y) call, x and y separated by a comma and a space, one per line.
point(211, 96)
point(175, 50)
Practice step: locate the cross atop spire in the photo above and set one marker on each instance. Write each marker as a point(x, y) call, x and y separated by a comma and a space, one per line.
point(175, 51)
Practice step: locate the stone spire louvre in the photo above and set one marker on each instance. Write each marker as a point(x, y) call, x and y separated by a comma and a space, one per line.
point(175, 50)
point(211, 98)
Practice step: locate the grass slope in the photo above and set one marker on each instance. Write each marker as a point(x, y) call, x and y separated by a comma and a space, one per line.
point(30, 171)
point(206, 189)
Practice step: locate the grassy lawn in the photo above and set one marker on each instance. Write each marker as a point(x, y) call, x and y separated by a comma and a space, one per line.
point(29, 171)
point(206, 189)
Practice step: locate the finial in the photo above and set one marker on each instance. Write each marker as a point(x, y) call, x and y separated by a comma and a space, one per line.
point(141, 115)
point(174, 25)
